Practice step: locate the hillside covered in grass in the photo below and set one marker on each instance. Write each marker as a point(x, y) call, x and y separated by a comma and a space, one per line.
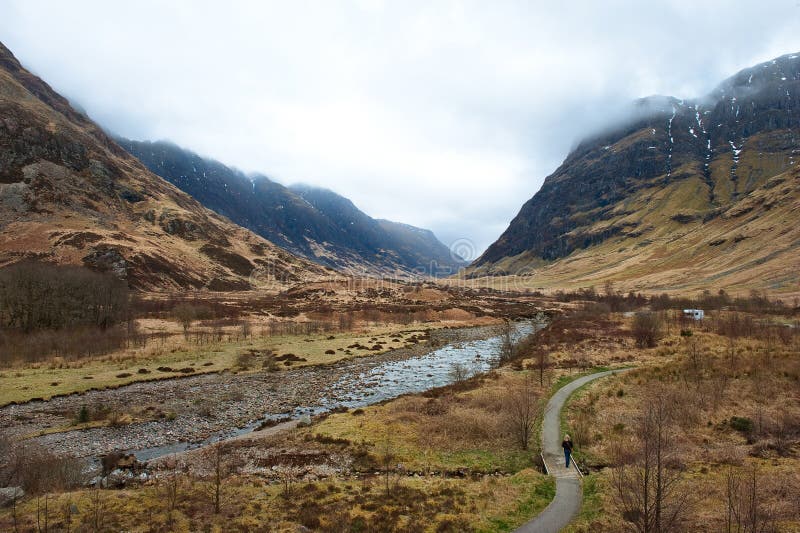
point(682, 194)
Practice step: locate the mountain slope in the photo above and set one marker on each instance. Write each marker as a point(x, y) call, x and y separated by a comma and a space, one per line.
point(314, 223)
point(683, 194)
point(411, 240)
point(70, 194)
point(416, 249)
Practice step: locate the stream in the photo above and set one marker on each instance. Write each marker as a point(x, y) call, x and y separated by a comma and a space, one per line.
point(364, 382)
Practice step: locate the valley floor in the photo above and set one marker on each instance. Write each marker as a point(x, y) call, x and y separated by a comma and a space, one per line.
point(452, 458)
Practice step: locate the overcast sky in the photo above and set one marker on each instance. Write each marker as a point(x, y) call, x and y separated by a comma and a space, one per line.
point(445, 115)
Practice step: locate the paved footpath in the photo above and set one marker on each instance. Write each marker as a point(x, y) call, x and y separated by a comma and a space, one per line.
point(567, 502)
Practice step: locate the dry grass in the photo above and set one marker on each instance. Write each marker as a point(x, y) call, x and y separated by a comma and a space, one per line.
point(736, 406)
point(59, 377)
point(449, 430)
point(450, 444)
point(679, 258)
point(415, 504)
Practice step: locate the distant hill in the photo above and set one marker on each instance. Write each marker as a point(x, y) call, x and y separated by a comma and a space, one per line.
point(315, 223)
point(70, 194)
point(683, 194)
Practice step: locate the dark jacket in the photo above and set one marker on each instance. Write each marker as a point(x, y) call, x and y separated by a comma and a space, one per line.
point(567, 445)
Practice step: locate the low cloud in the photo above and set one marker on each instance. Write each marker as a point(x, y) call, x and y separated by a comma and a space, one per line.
point(446, 115)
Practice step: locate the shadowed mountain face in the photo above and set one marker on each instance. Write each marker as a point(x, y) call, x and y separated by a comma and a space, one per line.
point(70, 194)
point(683, 193)
point(315, 223)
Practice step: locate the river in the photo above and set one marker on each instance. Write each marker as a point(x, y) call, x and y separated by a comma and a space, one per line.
point(366, 381)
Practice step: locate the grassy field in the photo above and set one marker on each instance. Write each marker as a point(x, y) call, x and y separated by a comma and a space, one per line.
point(448, 433)
point(460, 469)
point(491, 504)
point(732, 411)
point(448, 460)
point(177, 357)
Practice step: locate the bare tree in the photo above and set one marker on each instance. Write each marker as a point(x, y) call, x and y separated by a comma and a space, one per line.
point(96, 511)
point(745, 512)
point(522, 408)
point(36, 295)
point(185, 314)
point(733, 516)
point(733, 362)
point(246, 329)
point(42, 514)
point(459, 372)
point(36, 469)
point(646, 329)
point(219, 472)
point(387, 460)
point(542, 363)
point(169, 488)
point(170, 494)
point(647, 489)
point(14, 498)
point(508, 348)
point(66, 514)
point(694, 356)
point(608, 288)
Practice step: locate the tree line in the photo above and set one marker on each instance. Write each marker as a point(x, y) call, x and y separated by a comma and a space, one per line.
point(35, 295)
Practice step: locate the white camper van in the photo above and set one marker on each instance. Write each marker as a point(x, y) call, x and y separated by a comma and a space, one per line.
point(696, 314)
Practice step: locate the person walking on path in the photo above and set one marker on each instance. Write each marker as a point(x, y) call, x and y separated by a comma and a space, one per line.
point(567, 445)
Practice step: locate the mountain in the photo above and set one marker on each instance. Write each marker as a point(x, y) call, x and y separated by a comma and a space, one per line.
point(414, 249)
point(315, 223)
point(70, 194)
point(411, 239)
point(682, 194)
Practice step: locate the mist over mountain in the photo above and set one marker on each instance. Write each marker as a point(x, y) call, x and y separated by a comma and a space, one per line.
point(679, 193)
point(312, 222)
point(69, 194)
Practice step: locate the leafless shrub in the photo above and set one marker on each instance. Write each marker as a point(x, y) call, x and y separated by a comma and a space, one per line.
point(581, 426)
point(647, 487)
point(508, 347)
point(522, 408)
point(288, 474)
point(185, 314)
point(270, 364)
point(646, 329)
point(745, 511)
point(37, 470)
point(459, 372)
point(117, 418)
point(245, 360)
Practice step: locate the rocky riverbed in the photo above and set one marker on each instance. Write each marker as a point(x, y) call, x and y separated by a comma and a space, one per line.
point(179, 413)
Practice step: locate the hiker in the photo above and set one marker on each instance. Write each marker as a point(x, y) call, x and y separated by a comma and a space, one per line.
point(567, 445)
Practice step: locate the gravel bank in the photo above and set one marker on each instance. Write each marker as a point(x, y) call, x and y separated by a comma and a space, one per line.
point(197, 408)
